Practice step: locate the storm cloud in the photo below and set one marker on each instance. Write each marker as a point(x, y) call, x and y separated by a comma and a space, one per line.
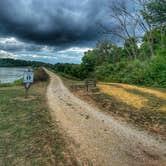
point(52, 30)
point(52, 21)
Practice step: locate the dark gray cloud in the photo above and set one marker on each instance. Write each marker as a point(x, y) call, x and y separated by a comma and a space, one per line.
point(13, 45)
point(52, 30)
point(52, 22)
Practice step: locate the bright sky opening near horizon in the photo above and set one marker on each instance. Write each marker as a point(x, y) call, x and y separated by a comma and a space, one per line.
point(51, 31)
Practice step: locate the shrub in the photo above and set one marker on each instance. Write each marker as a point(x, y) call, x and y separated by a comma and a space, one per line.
point(156, 71)
point(41, 75)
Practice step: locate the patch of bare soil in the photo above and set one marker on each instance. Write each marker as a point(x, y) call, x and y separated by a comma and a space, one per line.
point(28, 98)
point(98, 139)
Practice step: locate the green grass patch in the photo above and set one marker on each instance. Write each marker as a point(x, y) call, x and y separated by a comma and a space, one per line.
point(27, 135)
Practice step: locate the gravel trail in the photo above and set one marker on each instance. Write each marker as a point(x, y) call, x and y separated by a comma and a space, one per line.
point(98, 139)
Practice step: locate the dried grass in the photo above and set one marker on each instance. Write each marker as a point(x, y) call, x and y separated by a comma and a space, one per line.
point(156, 93)
point(126, 97)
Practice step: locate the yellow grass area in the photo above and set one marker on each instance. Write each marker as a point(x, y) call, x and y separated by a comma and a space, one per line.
point(126, 97)
point(156, 93)
point(163, 108)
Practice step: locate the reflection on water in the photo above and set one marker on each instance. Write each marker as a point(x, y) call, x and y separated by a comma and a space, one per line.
point(10, 74)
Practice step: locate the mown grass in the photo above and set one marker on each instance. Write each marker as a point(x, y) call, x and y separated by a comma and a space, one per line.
point(142, 107)
point(27, 134)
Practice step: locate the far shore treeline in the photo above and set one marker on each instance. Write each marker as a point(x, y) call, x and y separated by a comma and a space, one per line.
point(141, 60)
point(6, 62)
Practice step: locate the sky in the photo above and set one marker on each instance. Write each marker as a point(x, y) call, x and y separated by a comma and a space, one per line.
point(51, 31)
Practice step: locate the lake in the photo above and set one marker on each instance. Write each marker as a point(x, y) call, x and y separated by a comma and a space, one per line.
point(10, 74)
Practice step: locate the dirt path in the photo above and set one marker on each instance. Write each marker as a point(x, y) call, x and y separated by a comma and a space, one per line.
point(97, 136)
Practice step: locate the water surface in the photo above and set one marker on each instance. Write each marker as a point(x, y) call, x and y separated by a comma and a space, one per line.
point(10, 74)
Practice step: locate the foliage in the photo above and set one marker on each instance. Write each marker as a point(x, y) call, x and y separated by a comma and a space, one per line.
point(74, 70)
point(41, 75)
point(117, 66)
point(157, 11)
point(156, 71)
point(144, 65)
point(20, 63)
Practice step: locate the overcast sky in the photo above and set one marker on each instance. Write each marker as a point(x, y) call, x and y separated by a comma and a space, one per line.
point(51, 30)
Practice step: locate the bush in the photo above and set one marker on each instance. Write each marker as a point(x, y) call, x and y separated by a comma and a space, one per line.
point(41, 75)
point(150, 72)
point(156, 71)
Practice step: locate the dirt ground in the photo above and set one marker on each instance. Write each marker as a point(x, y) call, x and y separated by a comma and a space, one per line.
point(97, 138)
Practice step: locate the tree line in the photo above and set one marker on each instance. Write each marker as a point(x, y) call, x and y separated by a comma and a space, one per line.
point(6, 62)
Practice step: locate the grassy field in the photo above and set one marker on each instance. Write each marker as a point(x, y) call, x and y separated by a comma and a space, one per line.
point(143, 107)
point(27, 135)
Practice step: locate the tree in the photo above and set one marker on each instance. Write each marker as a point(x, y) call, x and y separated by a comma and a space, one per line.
point(106, 52)
point(144, 21)
point(103, 49)
point(89, 61)
point(131, 46)
point(157, 11)
point(152, 15)
point(125, 24)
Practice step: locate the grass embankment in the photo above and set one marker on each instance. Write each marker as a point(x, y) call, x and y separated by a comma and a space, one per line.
point(27, 135)
point(143, 107)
